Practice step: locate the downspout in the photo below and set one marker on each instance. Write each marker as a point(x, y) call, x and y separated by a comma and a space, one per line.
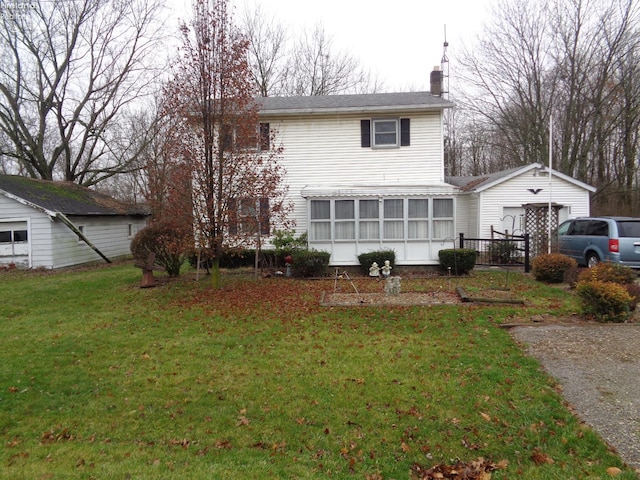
point(81, 235)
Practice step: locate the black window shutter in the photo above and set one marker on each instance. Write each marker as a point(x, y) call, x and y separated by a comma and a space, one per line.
point(233, 216)
point(265, 135)
point(265, 227)
point(405, 136)
point(365, 133)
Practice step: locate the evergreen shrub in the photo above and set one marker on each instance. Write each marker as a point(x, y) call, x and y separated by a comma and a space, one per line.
point(310, 263)
point(378, 256)
point(460, 260)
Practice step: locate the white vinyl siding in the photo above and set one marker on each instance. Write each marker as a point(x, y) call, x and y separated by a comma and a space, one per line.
point(109, 234)
point(507, 198)
point(326, 150)
point(53, 245)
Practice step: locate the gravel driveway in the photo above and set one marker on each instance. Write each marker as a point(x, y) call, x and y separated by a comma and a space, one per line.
point(598, 366)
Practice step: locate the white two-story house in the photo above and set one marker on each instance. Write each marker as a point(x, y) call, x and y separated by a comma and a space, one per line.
point(366, 172)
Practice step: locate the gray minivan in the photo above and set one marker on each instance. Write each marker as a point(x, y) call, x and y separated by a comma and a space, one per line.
point(590, 240)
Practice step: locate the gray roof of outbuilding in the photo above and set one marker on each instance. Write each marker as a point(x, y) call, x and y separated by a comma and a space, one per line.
point(472, 183)
point(482, 182)
point(64, 197)
point(372, 102)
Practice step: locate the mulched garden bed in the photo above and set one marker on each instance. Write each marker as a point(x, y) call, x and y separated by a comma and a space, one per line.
point(338, 299)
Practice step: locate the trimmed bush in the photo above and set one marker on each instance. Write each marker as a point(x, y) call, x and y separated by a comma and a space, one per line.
point(553, 267)
point(378, 256)
point(460, 260)
point(604, 301)
point(310, 263)
point(235, 258)
point(168, 241)
point(609, 272)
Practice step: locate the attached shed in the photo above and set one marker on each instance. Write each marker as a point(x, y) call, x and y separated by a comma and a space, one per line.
point(516, 201)
point(59, 224)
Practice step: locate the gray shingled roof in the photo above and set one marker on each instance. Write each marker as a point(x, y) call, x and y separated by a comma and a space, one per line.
point(472, 183)
point(352, 103)
point(65, 197)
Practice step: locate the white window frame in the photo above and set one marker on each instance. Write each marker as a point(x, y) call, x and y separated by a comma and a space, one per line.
point(316, 223)
point(448, 220)
point(374, 134)
point(388, 225)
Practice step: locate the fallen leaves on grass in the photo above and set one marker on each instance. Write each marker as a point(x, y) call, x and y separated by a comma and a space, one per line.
point(269, 297)
point(479, 469)
point(53, 436)
point(539, 458)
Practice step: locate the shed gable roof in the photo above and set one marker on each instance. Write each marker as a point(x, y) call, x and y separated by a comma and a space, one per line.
point(483, 182)
point(64, 197)
point(374, 102)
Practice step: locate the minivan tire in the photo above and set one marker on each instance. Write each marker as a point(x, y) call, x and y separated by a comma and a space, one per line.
point(592, 259)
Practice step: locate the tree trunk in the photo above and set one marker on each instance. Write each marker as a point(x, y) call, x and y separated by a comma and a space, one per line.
point(215, 273)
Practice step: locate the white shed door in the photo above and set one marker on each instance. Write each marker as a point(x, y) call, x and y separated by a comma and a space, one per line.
point(14, 242)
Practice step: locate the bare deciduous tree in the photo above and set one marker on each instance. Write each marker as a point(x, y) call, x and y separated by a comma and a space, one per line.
point(575, 62)
point(316, 68)
point(267, 51)
point(237, 184)
point(70, 72)
point(309, 64)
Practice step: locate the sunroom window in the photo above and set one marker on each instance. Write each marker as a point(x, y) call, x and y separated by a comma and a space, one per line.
point(369, 219)
point(387, 219)
point(418, 218)
point(393, 219)
point(320, 228)
point(345, 220)
point(443, 218)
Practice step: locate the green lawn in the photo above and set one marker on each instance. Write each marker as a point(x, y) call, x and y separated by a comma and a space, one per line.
point(101, 379)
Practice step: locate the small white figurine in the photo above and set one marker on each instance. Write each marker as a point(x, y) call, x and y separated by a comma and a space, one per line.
point(392, 286)
point(386, 269)
point(374, 270)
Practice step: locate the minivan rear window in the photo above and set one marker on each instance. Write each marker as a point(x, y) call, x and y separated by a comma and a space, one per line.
point(629, 228)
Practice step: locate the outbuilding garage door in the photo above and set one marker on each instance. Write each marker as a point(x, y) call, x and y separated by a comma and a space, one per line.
point(14, 243)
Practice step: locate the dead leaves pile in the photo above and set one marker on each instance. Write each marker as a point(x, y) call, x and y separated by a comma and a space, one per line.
point(479, 469)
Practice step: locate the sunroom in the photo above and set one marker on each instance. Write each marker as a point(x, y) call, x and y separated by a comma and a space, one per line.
point(415, 222)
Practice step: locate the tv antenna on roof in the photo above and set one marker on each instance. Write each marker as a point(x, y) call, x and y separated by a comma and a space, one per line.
point(444, 67)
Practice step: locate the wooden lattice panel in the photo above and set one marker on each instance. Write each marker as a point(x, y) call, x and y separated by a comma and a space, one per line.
point(537, 224)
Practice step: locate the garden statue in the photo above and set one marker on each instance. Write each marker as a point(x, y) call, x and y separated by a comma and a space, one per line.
point(386, 269)
point(392, 286)
point(374, 270)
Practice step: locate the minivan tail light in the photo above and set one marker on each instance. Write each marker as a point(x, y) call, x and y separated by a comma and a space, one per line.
point(614, 245)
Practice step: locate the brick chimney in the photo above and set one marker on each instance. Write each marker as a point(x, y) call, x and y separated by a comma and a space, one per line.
point(436, 81)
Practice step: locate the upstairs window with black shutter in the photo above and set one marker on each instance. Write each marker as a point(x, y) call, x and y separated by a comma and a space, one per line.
point(265, 136)
point(385, 133)
point(405, 133)
point(365, 133)
point(246, 215)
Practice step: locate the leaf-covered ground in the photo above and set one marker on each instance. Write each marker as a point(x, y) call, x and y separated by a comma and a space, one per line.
point(102, 379)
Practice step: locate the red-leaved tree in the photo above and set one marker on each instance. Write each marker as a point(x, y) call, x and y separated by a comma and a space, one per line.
point(237, 189)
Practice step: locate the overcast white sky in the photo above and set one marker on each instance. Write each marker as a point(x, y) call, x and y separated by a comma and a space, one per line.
point(399, 40)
